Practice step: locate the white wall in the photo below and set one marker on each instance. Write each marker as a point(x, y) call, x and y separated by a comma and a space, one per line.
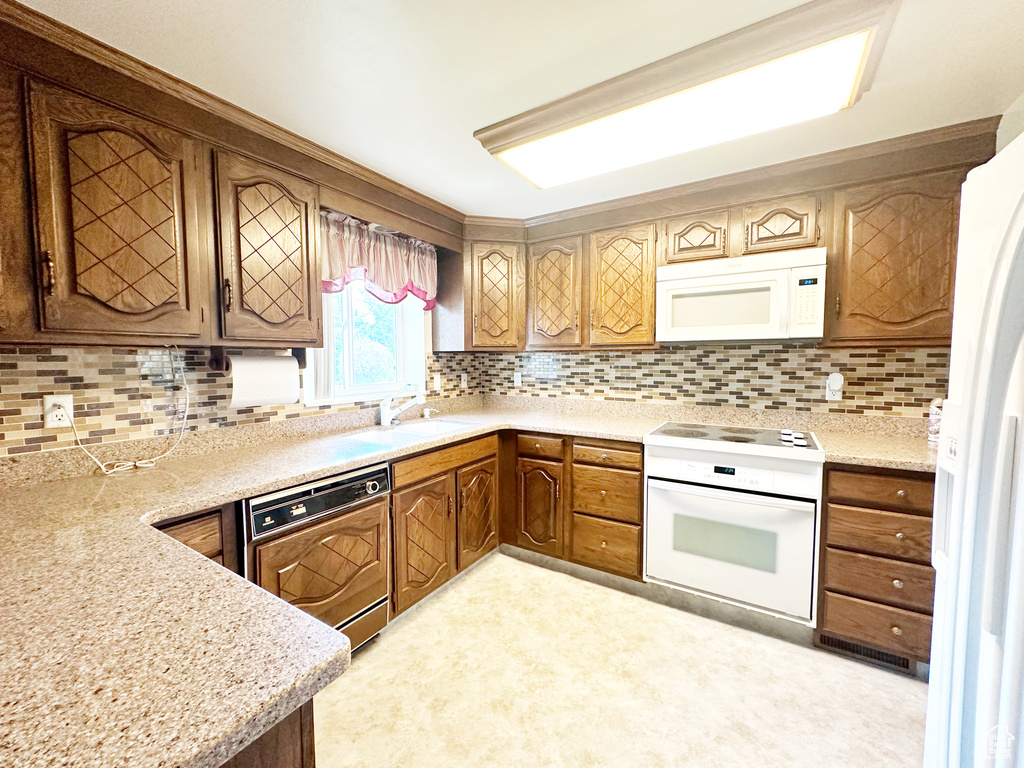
point(1012, 124)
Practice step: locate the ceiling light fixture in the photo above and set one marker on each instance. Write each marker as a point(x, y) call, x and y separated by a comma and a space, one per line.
point(752, 83)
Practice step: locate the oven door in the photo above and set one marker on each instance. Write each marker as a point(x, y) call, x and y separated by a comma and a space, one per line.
point(723, 307)
point(745, 548)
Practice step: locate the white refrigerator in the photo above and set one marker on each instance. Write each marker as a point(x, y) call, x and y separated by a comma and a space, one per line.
point(976, 687)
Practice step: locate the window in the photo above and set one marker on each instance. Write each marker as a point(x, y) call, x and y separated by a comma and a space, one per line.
point(371, 349)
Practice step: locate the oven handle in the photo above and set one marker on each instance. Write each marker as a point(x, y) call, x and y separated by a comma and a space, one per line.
point(729, 495)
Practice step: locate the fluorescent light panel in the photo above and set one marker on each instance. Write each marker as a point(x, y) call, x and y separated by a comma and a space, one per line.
point(788, 90)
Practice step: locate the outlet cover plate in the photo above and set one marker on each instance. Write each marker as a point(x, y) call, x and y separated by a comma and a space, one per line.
point(517, 379)
point(464, 380)
point(54, 417)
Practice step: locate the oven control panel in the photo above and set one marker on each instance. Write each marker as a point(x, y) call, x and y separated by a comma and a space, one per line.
point(727, 475)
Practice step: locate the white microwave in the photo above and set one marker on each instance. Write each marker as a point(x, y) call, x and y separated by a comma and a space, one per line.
point(777, 295)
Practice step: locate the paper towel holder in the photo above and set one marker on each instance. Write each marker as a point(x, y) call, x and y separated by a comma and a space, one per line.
point(219, 361)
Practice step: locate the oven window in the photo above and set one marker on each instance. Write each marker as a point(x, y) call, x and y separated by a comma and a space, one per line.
point(725, 306)
point(736, 544)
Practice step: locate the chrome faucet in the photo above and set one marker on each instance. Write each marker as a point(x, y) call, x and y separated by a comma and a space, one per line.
point(389, 414)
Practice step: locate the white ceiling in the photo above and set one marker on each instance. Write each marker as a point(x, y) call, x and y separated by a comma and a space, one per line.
point(400, 85)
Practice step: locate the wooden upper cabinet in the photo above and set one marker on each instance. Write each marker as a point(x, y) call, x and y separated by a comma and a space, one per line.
point(478, 510)
point(269, 271)
point(780, 224)
point(698, 236)
point(554, 293)
point(424, 539)
point(116, 219)
point(495, 300)
point(333, 569)
point(622, 286)
point(894, 263)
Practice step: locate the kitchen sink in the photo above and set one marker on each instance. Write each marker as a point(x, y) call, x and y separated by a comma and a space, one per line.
point(386, 437)
point(431, 427)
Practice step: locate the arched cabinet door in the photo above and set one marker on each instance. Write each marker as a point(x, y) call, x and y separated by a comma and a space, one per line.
point(269, 280)
point(622, 286)
point(116, 219)
point(478, 510)
point(554, 297)
point(424, 539)
point(333, 569)
point(539, 503)
point(496, 286)
point(895, 262)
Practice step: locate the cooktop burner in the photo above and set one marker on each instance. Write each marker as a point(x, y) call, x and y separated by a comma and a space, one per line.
point(775, 438)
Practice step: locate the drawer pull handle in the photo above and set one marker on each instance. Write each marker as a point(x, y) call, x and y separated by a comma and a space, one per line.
point(897, 631)
point(604, 457)
point(897, 583)
point(604, 544)
point(901, 493)
point(604, 493)
point(900, 536)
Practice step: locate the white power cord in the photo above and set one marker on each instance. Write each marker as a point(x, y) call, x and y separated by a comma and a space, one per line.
point(110, 467)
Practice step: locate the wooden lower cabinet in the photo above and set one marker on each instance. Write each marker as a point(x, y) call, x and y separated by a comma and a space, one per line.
point(289, 744)
point(877, 585)
point(212, 533)
point(477, 514)
point(606, 545)
point(425, 533)
point(539, 505)
point(331, 570)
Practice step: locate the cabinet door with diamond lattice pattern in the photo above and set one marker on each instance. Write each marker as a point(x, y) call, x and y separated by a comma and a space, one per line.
point(478, 510)
point(554, 293)
point(495, 298)
point(270, 279)
point(424, 539)
point(539, 505)
point(622, 286)
point(116, 219)
point(781, 224)
point(894, 266)
point(333, 569)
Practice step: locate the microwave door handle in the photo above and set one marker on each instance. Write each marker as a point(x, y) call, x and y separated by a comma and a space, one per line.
point(729, 495)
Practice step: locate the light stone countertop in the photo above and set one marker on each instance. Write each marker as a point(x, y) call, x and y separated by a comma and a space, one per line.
point(121, 647)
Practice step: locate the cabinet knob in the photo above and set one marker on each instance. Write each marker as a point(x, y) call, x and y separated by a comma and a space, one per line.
point(536, 446)
point(897, 631)
point(604, 544)
point(900, 536)
point(901, 493)
point(604, 493)
point(897, 583)
point(604, 457)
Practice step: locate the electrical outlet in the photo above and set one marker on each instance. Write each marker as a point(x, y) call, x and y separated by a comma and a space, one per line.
point(437, 382)
point(517, 379)
point(834, 386)
point(53, 416)
point(464, 380)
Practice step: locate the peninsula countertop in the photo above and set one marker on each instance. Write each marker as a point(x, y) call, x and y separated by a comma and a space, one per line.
point(121, 647)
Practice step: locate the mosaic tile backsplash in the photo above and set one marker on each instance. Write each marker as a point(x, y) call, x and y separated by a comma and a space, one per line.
point(123, 394)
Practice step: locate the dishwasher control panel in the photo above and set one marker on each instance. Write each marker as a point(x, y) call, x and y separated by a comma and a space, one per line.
point(269, 514)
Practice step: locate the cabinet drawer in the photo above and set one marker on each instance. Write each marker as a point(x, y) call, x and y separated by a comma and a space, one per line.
point(606, 545)
point(878, 490)
point(607, 457)
point(892, 534)
point(542, 447)
point(877, 578)
point(613, 493)
point(366, 626)
point(201, 534)
point(903, 632)
point(437, 462)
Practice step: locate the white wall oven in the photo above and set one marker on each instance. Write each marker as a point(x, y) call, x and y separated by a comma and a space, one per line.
point(767, 296)
point(733, 513)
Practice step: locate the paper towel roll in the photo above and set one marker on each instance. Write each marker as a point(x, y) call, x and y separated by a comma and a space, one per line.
point(263, 380)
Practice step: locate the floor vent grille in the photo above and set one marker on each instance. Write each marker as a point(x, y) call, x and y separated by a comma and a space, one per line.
point(863, 652)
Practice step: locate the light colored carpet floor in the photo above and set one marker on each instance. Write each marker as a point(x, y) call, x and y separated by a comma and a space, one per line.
point(516, 665)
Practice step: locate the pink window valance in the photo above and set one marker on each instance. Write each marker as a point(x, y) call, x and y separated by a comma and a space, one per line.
point(392, 266)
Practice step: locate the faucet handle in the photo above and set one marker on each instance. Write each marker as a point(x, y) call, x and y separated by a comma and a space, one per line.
point(428, 411)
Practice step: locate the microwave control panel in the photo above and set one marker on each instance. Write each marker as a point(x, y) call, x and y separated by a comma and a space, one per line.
point(807, 312)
